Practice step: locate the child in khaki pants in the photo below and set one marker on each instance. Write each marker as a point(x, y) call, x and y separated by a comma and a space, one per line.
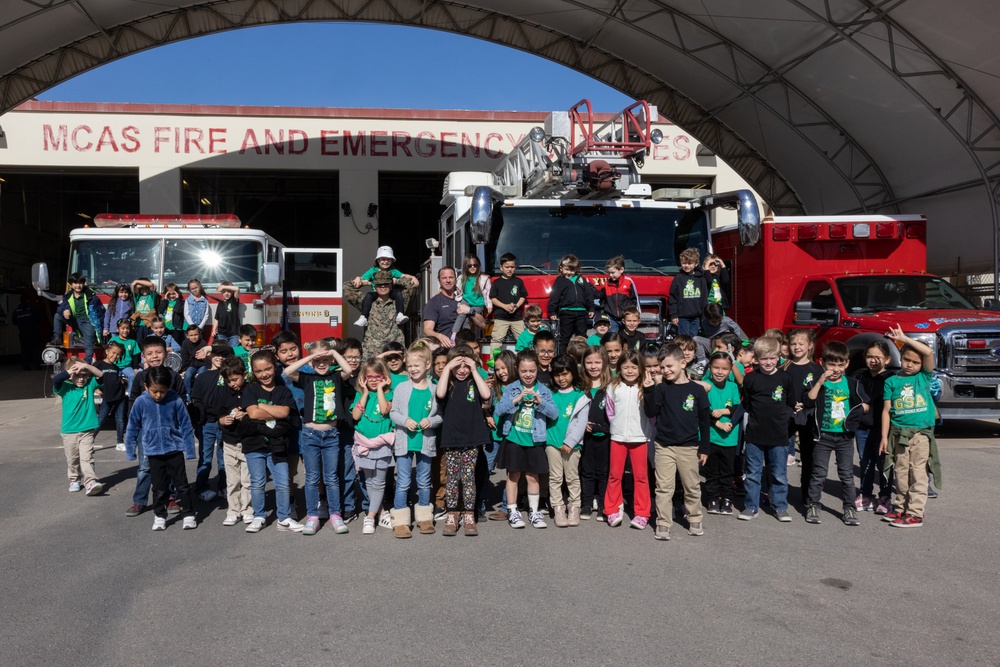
point(564, 440)
point(76, 384)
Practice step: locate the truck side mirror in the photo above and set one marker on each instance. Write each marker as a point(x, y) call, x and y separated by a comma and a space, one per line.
point(40, 277)
point(748, 218)
point(805, 314)
point(270, 274)
point(482, 215)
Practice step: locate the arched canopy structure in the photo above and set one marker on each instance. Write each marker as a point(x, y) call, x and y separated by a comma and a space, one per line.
point(824, 106)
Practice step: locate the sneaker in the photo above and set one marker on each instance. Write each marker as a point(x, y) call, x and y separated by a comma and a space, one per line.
point(440, 513)
point(173, 507)
point(312, 525)
point(661, 533)
point(537, 520)
point(713, 507)
point(791, 460)
point(783, 516)
point(337, 523)
point(601, 517)
point(256, 525)
point(207, 495)
point(231, 520)
point(94, 488)
point(361, 321)
point(401, 318)
point(884, 506)
point(350, 516)
point(159, 523)
point(867, 503)
point(908, 521)
point(639, 523)
point(892, 515)
point(812, 514)
point(190, 523)
point(514, 519)
point(586, 514)
point(369, 527)
point(695, 528)
point(615, 520)
point(851, 516)
point(120, 447)
point(747, 515)
point(498, 515)
point(726, 507)
point(385, 520)
point(289, 525)
point(931, 491)
point(74, 487)
point(859, 503)
point(247, 519)
point(135, 510)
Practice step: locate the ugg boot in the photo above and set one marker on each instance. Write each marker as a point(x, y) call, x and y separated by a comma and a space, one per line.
point(559, 515)
point(425, 519)
point(401, 523)
point(450, 525)
point(469, 523)
point(574, 516)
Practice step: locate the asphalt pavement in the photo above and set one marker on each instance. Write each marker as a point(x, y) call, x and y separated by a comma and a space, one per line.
point(82, 584)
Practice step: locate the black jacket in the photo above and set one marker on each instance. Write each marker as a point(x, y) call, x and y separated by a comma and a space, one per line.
point(688, 295)
point(856, 396)
point(568, 294)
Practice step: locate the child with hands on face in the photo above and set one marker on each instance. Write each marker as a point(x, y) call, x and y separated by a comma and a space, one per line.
point(373, 434)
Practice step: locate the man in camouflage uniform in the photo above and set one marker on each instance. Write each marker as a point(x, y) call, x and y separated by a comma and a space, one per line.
point(382, 327)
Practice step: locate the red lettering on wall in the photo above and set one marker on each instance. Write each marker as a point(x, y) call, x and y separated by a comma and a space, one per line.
point(513, 141)
point(492, 152)
point(423, 148)
point(682, 147)
point(329, 142)
point(447, 145)
point(303, 142)
point(470, 146)
point(213, 139)
point(193, 137)
point(278, 143)
point(380, 144)
point(52, 140)
point(249, 141)
point(159, 138)
point(354, 145)
point(401, 142)
point(107, 139)
point(75, 140)
point(130, 139)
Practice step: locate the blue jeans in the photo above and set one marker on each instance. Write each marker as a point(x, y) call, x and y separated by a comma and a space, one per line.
point(777, 465)
point(404, 474)
point(259, 463)
point(190, 374)
point(688, 326)
point(118, 408)
point(348, 473)
point(321, 452)
point(616, 325)
point(84, 327)
point(210, 441)
point(129, 374)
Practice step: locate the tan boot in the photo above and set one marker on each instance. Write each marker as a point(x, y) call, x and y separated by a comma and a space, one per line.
point(574, 516)
point(469, 524)
point(425, 518)
point(560, 516)
point(401, 523)
point(450, 525)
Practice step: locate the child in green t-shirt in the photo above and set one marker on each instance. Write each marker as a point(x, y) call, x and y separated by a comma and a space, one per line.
point(373, 434)
point(76, 384)
point(126, 363)
point(602, 324)
point(908, 416)
point(564, 440)
point(724, 402)
point(532, 325)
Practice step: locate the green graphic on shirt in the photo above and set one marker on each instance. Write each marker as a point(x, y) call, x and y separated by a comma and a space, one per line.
point(568, 412)
point(522, 422)
point(471, 396)
point(807, 382)
point(778, 394)
point(325, 401)
point(909, 399)
point(513, 290)
point(690, 290)
point(689, 403)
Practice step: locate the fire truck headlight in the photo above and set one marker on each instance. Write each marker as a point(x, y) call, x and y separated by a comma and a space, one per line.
point(537, 134)
point(656, 136)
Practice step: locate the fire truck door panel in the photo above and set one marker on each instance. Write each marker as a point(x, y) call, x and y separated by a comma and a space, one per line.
point(312, 291)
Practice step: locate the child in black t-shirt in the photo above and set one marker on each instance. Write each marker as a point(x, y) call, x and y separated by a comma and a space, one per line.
point(767, 397)
point(112, 392)
point(804, 372)
point(508, 295)
point(233, 425)
point(872, 380)
point(227, 313)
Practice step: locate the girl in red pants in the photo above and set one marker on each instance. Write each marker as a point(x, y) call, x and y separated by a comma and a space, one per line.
point(630, 434)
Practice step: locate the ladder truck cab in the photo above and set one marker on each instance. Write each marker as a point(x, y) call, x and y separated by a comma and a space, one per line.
point(851, 278)
point(571, 187)
point(298, 289)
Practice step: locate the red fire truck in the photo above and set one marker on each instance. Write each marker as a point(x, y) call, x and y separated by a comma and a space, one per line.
point(280, 288)
point(574, 187)
point(851, 278)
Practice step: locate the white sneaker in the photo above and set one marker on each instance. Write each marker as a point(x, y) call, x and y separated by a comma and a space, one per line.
point(231, 520)
point(75, 487)
point(207, 495)
point(93, 488)
point(190, 523)
point(401, 318)
point(514, 518)
point(248, 519)
point(290, 525)
point(361, 322)
point(369, 528)
point(385, 520)
point(536, 520)
point(255, 526)
point(120, 447)
point(159, 523)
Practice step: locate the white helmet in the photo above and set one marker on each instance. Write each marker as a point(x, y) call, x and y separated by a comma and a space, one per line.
point(384, 252)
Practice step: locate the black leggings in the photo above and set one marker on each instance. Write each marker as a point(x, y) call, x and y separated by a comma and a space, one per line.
point(594, 462)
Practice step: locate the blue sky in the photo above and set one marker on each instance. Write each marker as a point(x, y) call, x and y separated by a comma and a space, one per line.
point(340, 65)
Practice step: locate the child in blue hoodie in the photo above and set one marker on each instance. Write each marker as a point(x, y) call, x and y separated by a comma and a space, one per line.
point(167, 439)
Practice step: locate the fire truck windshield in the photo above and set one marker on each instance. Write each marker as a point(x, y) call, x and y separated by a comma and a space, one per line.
point(650, 238)
point(107, 262)
point(878, 293)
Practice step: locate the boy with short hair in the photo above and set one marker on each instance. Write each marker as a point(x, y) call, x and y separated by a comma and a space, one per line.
point(508, 295)
point(205, 401)
point(602, 325)
point(350, 350)
point(839, 403)
point(235, 473)
point(544, 346)
point(129, 359)
point(76, 384)
point(632, 338)
point(80, 308)
point(694, 367)
point(532, 325)
point(908, 416)
point(767, 398)
point(227, 313)
point(683, 420)
point(571, 301)
point(688, 294)
point(158, 328)
point(191, 365)
point(617, 292)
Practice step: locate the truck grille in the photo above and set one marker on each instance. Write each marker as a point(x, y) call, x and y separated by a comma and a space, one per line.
point(972, 353)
